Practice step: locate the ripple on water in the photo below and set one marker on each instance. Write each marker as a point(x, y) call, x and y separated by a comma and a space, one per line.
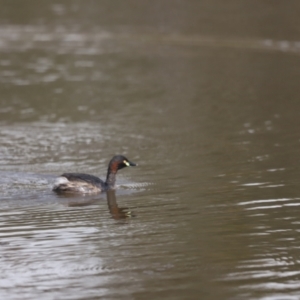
point(268, 229)
point(271, 203)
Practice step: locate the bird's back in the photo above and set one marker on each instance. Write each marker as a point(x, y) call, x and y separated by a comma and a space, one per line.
point(78, 183)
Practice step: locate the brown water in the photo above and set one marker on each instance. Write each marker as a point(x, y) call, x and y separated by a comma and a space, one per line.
point(203, 96)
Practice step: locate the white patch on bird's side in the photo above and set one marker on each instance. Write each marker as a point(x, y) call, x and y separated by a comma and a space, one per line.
point(82, 189)
point(60, 180)
point(126, 163)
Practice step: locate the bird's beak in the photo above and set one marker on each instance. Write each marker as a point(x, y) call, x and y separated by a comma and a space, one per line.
point(129, 163)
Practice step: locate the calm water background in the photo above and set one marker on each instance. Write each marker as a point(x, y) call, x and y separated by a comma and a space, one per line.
point(204, 96)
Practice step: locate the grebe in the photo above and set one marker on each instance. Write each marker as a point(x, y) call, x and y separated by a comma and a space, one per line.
point(88, 184)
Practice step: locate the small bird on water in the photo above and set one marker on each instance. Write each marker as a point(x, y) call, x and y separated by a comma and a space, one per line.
point(80, 183)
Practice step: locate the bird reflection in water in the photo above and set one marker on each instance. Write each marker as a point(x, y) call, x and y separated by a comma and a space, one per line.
point(114, 209)
point(116, 212)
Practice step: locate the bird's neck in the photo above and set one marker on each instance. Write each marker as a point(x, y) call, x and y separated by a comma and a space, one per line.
point(111, 177)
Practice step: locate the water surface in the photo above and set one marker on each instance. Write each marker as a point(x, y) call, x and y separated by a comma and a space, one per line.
point(203, 97)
